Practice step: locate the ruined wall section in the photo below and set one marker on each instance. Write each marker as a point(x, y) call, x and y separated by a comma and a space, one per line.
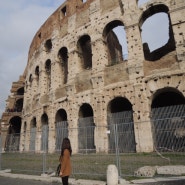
point(135, 79)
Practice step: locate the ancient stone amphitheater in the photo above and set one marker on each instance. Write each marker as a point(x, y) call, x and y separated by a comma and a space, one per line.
point(81, 83)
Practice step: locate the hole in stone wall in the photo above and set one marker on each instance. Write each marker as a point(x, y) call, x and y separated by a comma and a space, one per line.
point(39, 35)
point(18, 105)
point(63, 57)
point(44, 119)
point(156, 32)
point(119, 104)
point(33, 123)
point(30, 78)
point(61, 115)
point(156, 36)
point(85, 51)
point(64, 11)
point(85, 111)
point(15, 125)
point(37, 71)
point(48, 71)
point(20, 91)
point(115, 37)
point(48, 66)
point(167, 97)
point(48, 45)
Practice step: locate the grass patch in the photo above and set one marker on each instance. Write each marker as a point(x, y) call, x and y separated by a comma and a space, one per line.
point(88, 166)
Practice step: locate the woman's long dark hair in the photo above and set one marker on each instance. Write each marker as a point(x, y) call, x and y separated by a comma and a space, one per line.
point(66, 145)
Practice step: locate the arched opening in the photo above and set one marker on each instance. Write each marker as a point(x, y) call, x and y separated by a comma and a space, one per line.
point(61, 127)
point(85, 51)
point(33, 127)
point(48, 72)
point(63, 57)
point(37, 74)
point(30, 79)
point(18, 105)
point(20, 91)
point(45, 132)
point(48, 45)
point(115, 37)
point(121, 125)
point(168, 120)
point(157, 40)
point(13, 137)
point(86, 127)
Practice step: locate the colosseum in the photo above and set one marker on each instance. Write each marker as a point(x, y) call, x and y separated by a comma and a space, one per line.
point(80, 81)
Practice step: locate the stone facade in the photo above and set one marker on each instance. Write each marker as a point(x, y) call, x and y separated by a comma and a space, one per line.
point(75, 69)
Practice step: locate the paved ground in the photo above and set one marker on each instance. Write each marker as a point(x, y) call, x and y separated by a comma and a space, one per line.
point(178, 182)
point(17, 181)
point(10, 180)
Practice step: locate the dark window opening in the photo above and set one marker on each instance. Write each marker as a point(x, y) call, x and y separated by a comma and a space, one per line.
point(156, 32)
point(119, 104)
point(30, 78)
point(48, 72)
point(64, 11)
point(33, 123)
point(48, 66)
point(168, 115)
point(61, 115)
point(85, 110)
point(121, 126)
point(167, 97)
point(61, 127)
point(48, 45)
point(85, 51)
point(20, 91)
point(33, 134)
point(63, 56)
point(45, 132)
point(39, 35)
point(86, 128)
point(115, 36)
point(18, 105)
point(13, 137)
point(37, 73)
point(15, 125)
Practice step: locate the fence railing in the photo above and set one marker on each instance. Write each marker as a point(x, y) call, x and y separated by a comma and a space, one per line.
point(90, 162)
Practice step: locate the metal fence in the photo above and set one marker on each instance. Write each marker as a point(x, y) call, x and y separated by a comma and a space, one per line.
point(89, 162)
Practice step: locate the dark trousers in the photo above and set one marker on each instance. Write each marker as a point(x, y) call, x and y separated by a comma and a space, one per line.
point(65, 180)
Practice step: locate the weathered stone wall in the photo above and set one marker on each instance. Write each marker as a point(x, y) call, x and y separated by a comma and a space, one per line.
point(135, 79)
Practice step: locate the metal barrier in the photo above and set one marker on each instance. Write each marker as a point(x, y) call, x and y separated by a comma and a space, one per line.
point(88, 162)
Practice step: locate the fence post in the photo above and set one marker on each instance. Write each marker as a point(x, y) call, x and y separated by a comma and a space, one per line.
point(44, 142)
point(117, 149)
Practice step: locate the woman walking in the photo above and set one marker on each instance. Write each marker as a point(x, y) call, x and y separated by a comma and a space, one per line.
point(65, 161)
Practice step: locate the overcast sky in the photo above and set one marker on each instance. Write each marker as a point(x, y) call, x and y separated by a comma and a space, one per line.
point(20, 20)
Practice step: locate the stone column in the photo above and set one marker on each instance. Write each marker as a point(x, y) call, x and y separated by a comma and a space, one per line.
point(56, 74)
point(100, 54)
point(142, 124)
point(51, 124)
